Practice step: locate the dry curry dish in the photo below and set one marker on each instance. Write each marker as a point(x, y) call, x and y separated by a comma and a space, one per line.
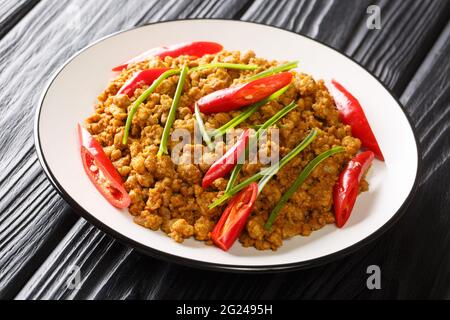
point(324, 145)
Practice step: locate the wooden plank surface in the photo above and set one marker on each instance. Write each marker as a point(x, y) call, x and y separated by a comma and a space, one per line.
point(409, 29)
point(12, 11)
point(425, 229)
point(41, 239)
point(33, 217)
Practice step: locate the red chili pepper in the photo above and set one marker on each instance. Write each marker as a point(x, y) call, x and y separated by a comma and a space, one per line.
point(146, 77)
point(233, 219)
point(243, 95)
point(351, 113)
point(227, 162)
point(194, 49)
point(101, 171)
point(347, 188)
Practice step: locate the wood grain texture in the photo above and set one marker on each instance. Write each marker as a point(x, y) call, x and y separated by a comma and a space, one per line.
point(408, 30)
point(426, 227)
point(113, 271)
point(33, 218)
point(326, 20)
point(12, 11)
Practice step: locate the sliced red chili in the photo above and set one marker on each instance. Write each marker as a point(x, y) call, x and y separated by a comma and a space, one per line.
point(194, 49)
point(142, 78)
point(101, 171)
point(347, 188)
point(234, 218)
point(351, 113)
point(227, 162)
point(243, 95)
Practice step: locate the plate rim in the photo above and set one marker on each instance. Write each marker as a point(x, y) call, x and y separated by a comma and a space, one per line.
point(168, 257)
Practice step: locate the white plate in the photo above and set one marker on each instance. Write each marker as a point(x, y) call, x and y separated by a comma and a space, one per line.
point(71, 94)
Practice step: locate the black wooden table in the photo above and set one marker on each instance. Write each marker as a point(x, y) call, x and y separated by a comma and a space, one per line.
point(42, 239)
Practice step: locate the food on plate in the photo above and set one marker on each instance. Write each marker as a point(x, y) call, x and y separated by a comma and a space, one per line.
point(227, 162)
point(101, 171)
point(352, 113)
point(140, 79)
point(347, 188)
point(192, 49)
point(236, 97)
point(233, 219)
point(220, 145)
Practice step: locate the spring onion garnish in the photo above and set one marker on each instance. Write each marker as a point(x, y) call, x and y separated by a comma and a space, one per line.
point(170, 73)
point(235, 66)
point(271, 171)
point(298, 182)
point(257, 126)
point(267, 173)
point(172, 112)
point(202, 128)
point(142, 98)
point(277, 69)
point(280, 114)
point(248, 112)
point(277, 117)
point(233, 176)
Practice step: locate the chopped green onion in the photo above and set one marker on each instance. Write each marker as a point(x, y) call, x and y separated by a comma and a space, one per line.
point(235, 66)
point(173, 72)
point(201, 126)
point(267, 173)
point(142, 98)
point(277, 69)
point(164, 76)
point(233, 177)
point(248, 112)
point(257, 126)
point(277, 117)
point(239, 119)
point(298, 182)
point(172, 113)
point(280, 114)
point(271, 171)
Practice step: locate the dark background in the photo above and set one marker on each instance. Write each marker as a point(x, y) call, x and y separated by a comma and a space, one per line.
point(41, 237)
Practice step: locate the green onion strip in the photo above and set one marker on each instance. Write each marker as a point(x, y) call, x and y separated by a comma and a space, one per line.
point(298, 182)
point(201, 126)
point(234, 66)
point(166, 75)
point(251, 110)
point(142, 98)
point(280, 114)
point(248, 112)
point(172, 113)
point(281, 68)
point(267, 173)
